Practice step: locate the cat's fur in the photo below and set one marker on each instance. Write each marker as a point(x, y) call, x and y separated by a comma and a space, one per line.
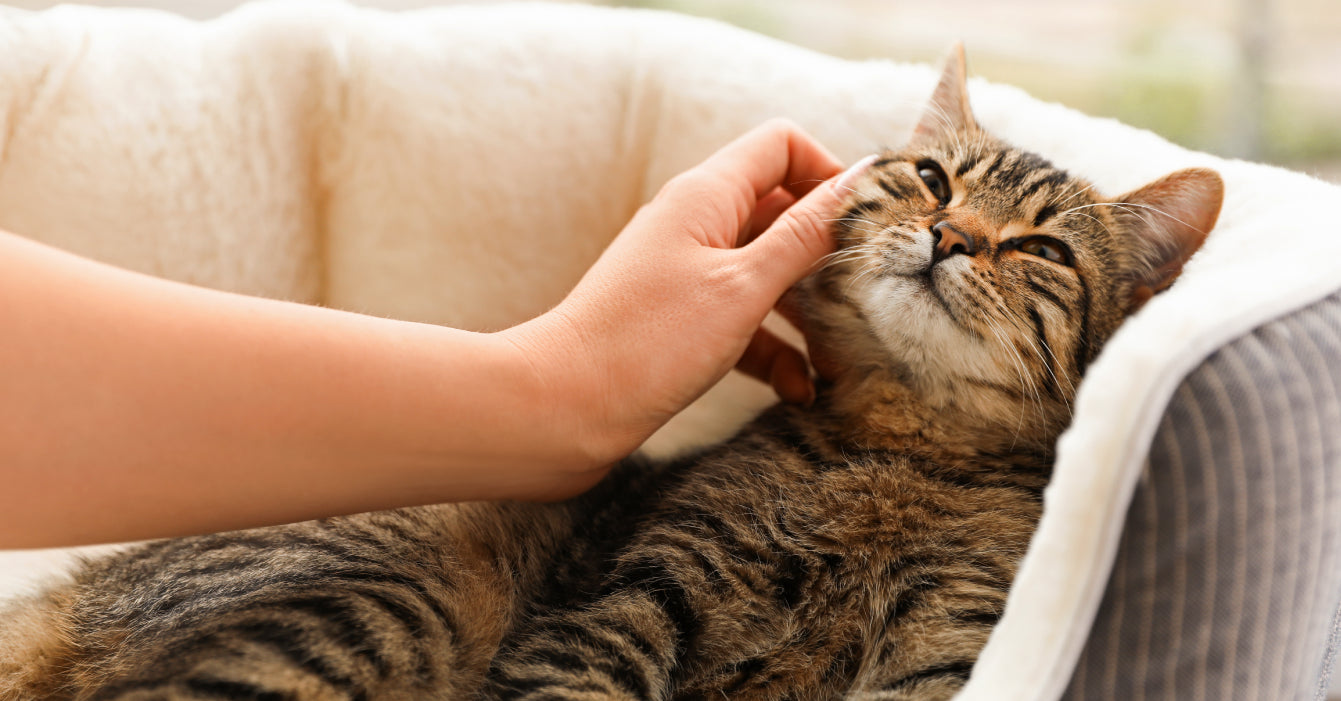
point(862, 547)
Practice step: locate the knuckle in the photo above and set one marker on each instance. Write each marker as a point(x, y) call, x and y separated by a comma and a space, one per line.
point(732, 279)
point(809, 222)
point(810, 229)
point(781, 125)
point(683, 185)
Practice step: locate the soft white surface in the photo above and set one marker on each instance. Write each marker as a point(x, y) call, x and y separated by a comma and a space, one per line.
point(464, 166)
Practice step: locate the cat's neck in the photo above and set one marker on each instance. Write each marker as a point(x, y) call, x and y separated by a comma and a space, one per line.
point(876, 409)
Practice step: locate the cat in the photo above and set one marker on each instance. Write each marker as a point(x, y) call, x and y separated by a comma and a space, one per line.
point(861, 547)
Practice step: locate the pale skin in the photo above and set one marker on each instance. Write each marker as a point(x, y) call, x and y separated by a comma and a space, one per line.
point(135, 407)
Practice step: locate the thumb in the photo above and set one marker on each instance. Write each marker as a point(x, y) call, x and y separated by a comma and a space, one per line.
point(802, 235)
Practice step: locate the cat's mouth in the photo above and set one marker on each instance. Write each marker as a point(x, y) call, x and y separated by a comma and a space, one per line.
point(923, 279)
point(924, 284)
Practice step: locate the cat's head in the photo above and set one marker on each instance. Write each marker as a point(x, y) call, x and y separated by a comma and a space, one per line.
point(984, 279)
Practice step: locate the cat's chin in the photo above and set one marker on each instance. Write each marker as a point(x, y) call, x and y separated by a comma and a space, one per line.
point(914, 326)
point(897, 323)
point(907, 307)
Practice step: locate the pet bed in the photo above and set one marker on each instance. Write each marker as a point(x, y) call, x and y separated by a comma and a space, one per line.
point(464, 165)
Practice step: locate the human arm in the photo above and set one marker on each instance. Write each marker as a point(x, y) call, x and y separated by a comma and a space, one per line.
point(137, 407)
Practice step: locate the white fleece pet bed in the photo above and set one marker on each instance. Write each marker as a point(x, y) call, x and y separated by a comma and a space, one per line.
point(463, 166)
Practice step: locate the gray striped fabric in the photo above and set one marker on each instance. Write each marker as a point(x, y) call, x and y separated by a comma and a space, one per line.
point(1227, 583)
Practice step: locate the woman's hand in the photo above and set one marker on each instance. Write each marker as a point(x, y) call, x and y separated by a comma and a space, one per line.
point(134, 407)
point(678, 298)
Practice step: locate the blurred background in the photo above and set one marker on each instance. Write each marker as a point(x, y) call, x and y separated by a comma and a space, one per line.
point(1254, 79)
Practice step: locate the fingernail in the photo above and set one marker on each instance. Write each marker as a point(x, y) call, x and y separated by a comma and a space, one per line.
point(844, 181)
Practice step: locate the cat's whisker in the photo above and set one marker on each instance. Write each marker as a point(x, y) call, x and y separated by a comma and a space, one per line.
point(849, 254)
point(868, 271)
point(861, 229)
point(846, 254)
point(1055, 202)
point(1092, 218)
point(817, 180)
point(1027, 384)
point(1064, 391)
point(1027, 378)
point(947, 123)
point(1030, 383)
point(841, 262)
point(1126, 207)
point(858, 220)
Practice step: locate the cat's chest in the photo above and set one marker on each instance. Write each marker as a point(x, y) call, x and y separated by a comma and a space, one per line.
point(845, 526)
point(882, 529)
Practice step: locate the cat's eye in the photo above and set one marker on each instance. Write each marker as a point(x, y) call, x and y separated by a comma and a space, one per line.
point(1047, 248)
point(933, 176)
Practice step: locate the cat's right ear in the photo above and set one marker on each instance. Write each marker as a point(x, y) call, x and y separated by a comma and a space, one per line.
point(948, 111)
point(1166, 222)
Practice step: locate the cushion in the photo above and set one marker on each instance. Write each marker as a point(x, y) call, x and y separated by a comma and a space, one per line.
point(1228, 575)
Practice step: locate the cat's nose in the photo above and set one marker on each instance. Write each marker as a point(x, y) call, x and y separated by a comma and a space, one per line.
point(950, 241)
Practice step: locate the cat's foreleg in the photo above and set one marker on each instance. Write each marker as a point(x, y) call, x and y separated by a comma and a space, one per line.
point(622, 646)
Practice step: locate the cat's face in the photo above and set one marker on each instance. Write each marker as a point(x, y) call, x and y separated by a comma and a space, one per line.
point(987, 279)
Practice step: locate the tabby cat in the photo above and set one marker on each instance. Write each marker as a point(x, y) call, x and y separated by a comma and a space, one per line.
point(860, 548)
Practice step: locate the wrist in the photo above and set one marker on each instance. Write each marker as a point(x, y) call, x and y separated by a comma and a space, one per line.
point(573, 412)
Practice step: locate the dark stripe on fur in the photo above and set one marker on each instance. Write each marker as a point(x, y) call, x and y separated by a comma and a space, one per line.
point(1052, 378)
point(1053, 178)
point(1045, 292)
point(994, 165)
point(654, 579)
point(745, 671)
point(860, 208)
point(1044, 214)
point(344, 623)
point(952, 670)
point(985, 619)
point(1082, 351)
point(215, 688)
point(897, 189)
point(624, 676)
point(967, 164)
point(290, 641)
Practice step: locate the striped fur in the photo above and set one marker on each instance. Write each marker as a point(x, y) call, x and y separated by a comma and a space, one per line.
point(859, 548)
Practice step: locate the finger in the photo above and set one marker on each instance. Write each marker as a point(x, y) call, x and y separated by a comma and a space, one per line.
point(776, 153)
point(729, 184)
point(771, 360)
point(789, 249)
point(824, 364)
point(765, 213)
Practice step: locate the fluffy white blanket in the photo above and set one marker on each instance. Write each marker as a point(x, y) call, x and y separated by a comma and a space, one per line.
point(464, 165)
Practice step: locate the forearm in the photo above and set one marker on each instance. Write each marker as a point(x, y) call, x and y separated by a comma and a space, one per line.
point(132, 407)
point(135, 407)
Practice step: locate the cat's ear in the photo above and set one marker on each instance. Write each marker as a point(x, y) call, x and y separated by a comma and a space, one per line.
point(948, 111)
point(1166, 222)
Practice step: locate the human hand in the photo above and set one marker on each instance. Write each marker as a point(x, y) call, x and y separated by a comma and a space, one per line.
point(213, 411)
point(678, 297)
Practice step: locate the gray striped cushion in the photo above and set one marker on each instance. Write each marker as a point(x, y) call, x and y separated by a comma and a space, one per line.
point(1227, 583)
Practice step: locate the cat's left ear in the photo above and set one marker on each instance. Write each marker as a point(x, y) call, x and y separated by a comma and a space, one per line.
point(948, 111)
point(1167, 221)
